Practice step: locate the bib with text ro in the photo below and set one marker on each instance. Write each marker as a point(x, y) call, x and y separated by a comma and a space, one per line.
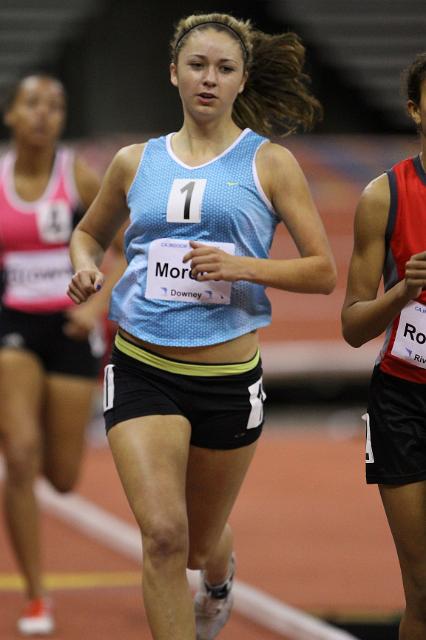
point(410, 339)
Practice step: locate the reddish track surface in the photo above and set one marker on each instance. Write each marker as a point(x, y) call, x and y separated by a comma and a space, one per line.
point(308, 531)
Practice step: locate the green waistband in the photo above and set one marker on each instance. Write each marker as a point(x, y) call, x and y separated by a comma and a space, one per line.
point(184, 368)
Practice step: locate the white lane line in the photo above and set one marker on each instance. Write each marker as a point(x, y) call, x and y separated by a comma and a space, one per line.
point(281, 618)
point(124, 538)
point(332, 358)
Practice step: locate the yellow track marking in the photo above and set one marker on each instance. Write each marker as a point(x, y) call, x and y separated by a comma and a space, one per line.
point(14, 582)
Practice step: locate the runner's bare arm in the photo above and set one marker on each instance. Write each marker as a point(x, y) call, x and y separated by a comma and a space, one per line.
point(285, 185)
point(100, 224)
point(87, 182)
point(364, 315)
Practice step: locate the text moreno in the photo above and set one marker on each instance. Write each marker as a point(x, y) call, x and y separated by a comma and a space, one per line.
point(163, 270)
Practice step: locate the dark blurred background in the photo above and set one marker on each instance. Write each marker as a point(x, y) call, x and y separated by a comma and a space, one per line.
point(113, 56)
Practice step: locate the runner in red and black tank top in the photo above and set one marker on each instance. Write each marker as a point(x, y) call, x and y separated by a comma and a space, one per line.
point(390, 243)
point(404, 350)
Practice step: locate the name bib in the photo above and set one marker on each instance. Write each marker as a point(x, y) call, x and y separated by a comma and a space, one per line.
point(410, 339)
point(37, 276)
point(169, 278)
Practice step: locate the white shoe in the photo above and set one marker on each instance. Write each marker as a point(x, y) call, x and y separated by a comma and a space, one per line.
point(211, 614)
point(37, 618)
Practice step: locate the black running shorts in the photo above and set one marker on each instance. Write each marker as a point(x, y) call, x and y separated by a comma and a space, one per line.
point(225, 412)
point(42, 334)
point(396, 430)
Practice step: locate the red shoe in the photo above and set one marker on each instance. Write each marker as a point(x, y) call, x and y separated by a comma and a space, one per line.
point(37, 618)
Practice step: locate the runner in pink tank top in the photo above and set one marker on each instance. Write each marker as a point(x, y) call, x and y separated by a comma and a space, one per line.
point(390, 242)
point(49, 351)
point(34, 237)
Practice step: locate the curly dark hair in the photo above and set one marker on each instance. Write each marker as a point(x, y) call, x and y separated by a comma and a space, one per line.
point(413, 78)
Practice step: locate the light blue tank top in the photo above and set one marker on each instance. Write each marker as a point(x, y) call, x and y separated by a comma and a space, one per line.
point(220, 202)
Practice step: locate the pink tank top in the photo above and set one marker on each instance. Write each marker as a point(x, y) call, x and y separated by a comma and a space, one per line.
point(34, 238)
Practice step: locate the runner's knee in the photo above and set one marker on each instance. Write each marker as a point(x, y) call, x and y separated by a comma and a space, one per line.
point(416, 595)
point(22, 461)
point(165, 540)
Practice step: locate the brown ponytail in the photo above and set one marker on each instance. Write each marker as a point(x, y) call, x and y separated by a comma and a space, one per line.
point(276, 99)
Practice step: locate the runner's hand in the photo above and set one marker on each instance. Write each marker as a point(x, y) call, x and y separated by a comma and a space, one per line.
point(85, 283)
point(210, 263)
point(415, 274)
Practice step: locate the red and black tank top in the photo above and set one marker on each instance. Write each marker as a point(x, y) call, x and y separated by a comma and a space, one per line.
point(404, 351)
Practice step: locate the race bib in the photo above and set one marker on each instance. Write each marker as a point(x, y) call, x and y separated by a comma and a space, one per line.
point(185, 199)
point(37, 276)
point(410, 339)
point(169, 278)
point(54, 222)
